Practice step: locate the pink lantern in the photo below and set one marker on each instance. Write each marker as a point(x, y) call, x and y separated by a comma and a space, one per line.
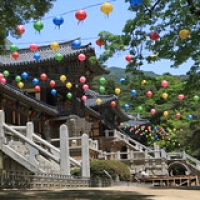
point(43, 77)
point(52, 83)
point(82, 79)
point(3, 81)
point(164, 83)
point(149, 94)
point(37, 88)
point(178, 115)
point(85, 87)
point(33, 47)
point(84, 98)
point(1, 76)
point(181, 97)
point(153, 111)
point(81, 57)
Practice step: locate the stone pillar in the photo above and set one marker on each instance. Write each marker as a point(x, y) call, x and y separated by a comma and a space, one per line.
point(157, 150)
point(2, 121)
point(64, 150)
point(85, 168)
point(1, 160)
point(29, 130)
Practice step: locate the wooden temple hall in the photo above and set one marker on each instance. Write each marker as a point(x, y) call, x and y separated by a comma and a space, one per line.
point(50, 92)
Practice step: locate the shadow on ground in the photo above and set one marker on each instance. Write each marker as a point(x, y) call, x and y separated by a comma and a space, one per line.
point(71, 195)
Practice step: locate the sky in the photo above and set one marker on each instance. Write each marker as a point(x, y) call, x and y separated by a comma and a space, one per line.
point(88, 30)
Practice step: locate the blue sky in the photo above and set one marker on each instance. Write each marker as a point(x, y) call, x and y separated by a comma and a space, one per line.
point(88, 30)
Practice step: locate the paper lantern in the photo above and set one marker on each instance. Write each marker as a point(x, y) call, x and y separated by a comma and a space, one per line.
point(178, 115)
point(153, 111)
point(33, 47)
point(117, 91)
point(102, 89)
point(180, 96)
point(69, 95)
point(165, 95)
point(38, 26)
point(85, 87)
point(35, 81)
point(20, 29)
point(164, 83)
point(126, 106)
point(54, 46)
point(196, 98)
point(15, 55)
point(84, 98)
point(13, 48)
point(52, 83)
point(6, 73)
point(184, 34)
point(53, 92)
point(43, 77)
point(20, 85)
point(190, 117)
point(59, 56)
point(143, 82)
point(165, 113)
point(3, 81)
point(102, 81)
point(122, 80)
point(129, 58)
point(36, 56)
point(81, 57)
point(99, 42)
point(134, 92)
point(80, 15)
point(149, 94)
point(37, 88)
point(154, 36)
point(135, 2)
point(98, 101)
point(24, 75)
point(113, 103)
point(63, 78)
point(82, 79)
point(76, 44)
point(139, 108)
point(58, 20)
point(106, 8)
point(18, 78)
point(68, 85)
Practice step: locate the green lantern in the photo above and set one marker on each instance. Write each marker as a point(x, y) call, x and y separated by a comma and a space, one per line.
point(58, 57)
point(6, 73)
point(196, 98)
point(69, 95)
point(102, 89)
point(139, 108)
point(13, 48)
point(102, 81)
point(18, 78)
point(38, 26)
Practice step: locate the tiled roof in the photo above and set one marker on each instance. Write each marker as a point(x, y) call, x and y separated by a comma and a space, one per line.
point(46, 53)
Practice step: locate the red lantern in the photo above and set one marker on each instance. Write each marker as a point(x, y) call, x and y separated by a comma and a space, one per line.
point(113, 103)
point(52, 83)
point(181, 97)
point(33, 47)
point(37, 88)
point(80, 15)
point(43, 77)
point(129, 58)
point(154, 36)
point(20, 30)
point(178, 115)
point(149, 94)
point(99, 42)
point(15, 55)
point(81, 57)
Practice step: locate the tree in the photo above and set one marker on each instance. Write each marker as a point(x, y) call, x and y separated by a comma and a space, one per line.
point(19, 12)
point(163, 20)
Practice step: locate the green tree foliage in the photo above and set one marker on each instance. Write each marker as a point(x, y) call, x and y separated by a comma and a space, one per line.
point(167, 19)
point(19, 12)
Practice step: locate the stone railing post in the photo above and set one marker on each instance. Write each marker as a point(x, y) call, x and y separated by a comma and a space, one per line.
point(2, 121)
point(85, 168)
point(29, 130)
point(64, 150)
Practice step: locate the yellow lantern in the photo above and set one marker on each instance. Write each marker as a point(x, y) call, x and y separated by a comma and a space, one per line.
point(98, 101)
point(153, 57)
point(63, 78)
point(165, 113)
point(20, 85)
point(143, 82)
point(117, 91)
point(184, 34)
point(106, 8)
point(68, 85)
point(54, 46)
point(165, 95)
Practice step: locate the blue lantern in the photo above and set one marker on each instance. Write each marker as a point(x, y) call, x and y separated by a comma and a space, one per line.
point(190, 117)
point(76, 44)
point(126, 106)
point(35, 81)
point(58, 20)
point(24, 75)
point(36, 56)
point(122, 80)
point(53, 92)
point(135, 2)
point(134, 92)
